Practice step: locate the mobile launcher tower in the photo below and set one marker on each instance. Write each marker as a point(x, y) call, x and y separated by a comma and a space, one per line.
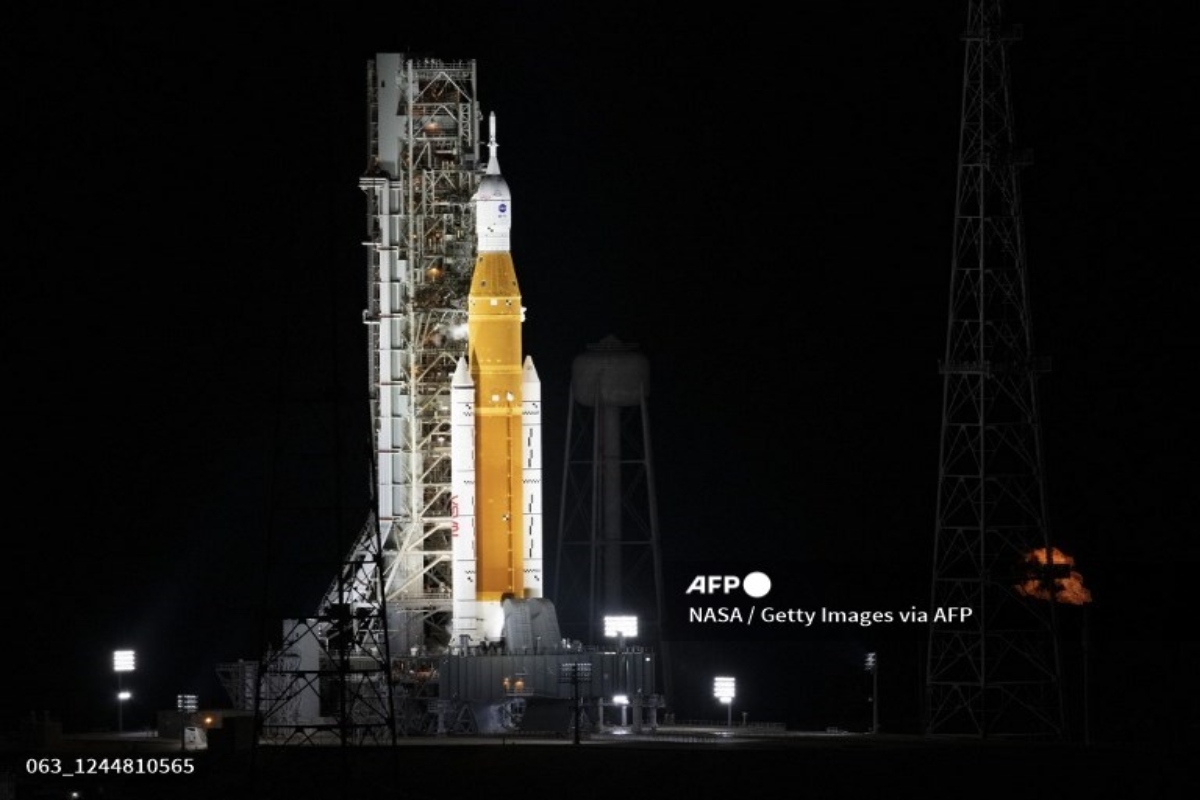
point(423, 171)
point(436, 618)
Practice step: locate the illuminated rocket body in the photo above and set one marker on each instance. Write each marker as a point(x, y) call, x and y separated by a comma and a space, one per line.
point(496, 433)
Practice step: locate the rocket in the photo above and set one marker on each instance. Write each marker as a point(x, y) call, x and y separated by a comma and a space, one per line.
point(496, 458)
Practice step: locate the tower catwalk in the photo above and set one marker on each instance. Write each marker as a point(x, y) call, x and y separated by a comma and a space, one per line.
point(392, 595)
point(997, 672)
point(423, 154)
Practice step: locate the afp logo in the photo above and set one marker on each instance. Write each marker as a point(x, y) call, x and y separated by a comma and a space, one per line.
point(756, 584)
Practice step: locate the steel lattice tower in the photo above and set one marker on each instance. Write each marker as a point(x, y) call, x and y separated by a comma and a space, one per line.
point(389, 609)
point(997, 673)
point(424, 154)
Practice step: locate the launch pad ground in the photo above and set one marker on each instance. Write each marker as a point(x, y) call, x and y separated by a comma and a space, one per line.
point(675, 762)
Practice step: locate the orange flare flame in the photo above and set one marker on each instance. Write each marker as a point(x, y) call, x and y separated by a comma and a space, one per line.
point(1067, 589)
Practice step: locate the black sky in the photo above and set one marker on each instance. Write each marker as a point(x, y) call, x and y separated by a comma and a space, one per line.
point(762, 203)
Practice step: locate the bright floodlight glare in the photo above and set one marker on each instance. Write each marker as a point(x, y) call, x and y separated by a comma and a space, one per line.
point(621, 699)
point(621, 626)
point(724, 689)
point(123, 661)
point(125, 695)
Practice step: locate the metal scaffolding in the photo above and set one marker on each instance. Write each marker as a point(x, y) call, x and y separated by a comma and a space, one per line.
point(423, 157)
point(328, 680)
point(362, 668)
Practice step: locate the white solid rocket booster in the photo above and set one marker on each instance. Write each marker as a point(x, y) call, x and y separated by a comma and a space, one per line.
point(462, 503)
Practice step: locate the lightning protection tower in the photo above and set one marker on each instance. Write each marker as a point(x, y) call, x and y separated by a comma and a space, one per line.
point(996, 673)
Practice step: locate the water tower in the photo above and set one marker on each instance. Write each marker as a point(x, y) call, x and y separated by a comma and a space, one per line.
point(608, 557)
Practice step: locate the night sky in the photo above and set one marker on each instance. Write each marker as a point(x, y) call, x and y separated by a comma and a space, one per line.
point(764, 205)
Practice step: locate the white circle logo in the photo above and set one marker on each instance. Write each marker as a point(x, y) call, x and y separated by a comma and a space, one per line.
point(756, 584)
